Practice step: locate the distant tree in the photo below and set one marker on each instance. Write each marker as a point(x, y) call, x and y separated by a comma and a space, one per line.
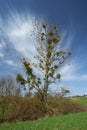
point(62, 93)
point(8, 86)
point(51, 55)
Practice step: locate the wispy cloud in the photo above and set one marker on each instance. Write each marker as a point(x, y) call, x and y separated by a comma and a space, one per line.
point(10, 62)
point(18, 29)
point(72, 70)
point(72, 73)
point(2, 44)
point(1, 55)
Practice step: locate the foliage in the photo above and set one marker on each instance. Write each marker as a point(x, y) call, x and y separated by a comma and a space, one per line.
point(13, 108)
point(18, 108)
point(64, 106)
point(51, 55)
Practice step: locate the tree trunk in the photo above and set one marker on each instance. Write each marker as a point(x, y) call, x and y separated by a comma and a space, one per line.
point(45, 85)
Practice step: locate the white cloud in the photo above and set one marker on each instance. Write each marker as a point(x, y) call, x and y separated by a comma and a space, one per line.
point(84, 77)
point(1, 54)
point(71, 73)
point(69, 36)
point(19, 28)
point(10, 62)
point(2, 44)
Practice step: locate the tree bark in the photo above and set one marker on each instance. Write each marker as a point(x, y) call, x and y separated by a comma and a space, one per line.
point(45, 84)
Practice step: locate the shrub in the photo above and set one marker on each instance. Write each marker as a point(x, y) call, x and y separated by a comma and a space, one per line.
point(63, 106)
point(14, 108)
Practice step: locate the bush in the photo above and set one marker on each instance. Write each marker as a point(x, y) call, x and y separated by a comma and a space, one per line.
point(58, 106)
point(21, 109)
point(16, 108)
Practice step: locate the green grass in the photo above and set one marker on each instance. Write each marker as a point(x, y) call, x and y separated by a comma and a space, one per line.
point(80, 100)
point(66, 122)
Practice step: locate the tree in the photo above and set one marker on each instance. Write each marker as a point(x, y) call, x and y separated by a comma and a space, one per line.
point(51, 55)
point(62, 93)
point(8, 86)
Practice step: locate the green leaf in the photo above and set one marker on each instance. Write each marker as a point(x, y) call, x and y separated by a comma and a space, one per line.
point(69, 53)
point(49, 41)
point(55, 40)
point(44, 26)
point(30, 88)
point(20, 79)
point(58, 76)
point(50, 33)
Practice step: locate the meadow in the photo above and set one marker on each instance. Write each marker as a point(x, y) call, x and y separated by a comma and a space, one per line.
point(80, 100)
point(65, 122)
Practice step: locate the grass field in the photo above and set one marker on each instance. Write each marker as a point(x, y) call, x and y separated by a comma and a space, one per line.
point(66, 122)
point(80, 100)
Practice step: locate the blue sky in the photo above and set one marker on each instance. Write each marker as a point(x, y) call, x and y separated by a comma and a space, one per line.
point(16, 22)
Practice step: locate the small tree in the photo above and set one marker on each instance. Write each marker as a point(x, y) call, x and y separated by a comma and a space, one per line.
point(51, 55)
point(62, 93)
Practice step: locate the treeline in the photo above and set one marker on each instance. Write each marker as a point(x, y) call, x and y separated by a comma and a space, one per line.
point(9, 87)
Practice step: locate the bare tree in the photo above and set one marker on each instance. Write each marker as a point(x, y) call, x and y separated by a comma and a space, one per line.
point(8, 86)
